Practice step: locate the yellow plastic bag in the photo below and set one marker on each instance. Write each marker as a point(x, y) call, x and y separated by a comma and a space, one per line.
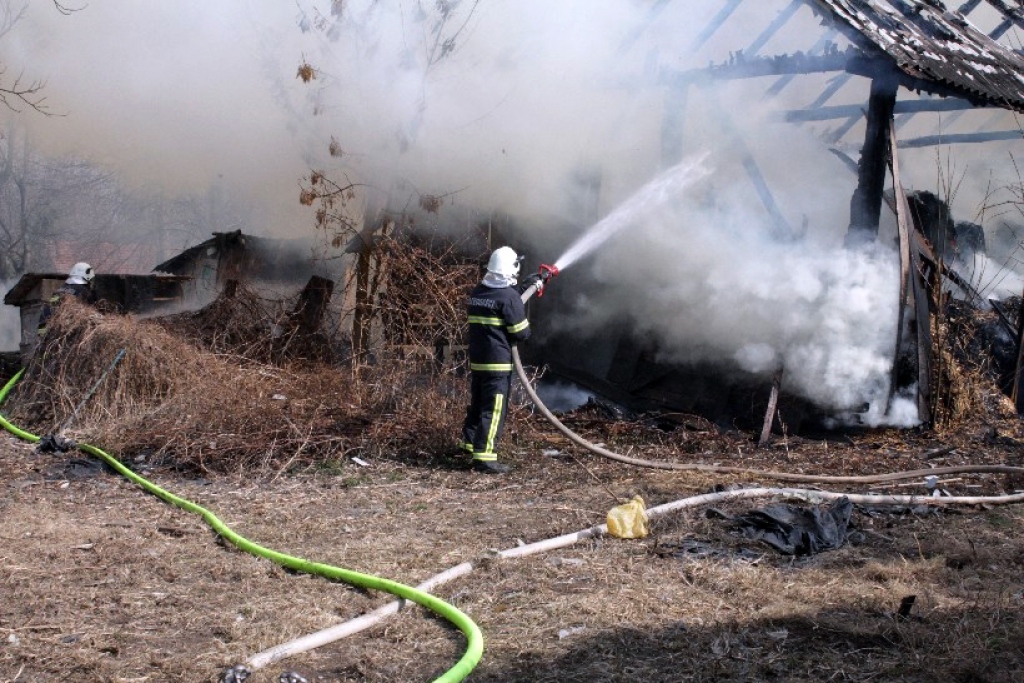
point(628, 520)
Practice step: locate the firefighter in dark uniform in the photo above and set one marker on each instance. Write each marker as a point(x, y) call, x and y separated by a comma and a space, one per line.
point(497, 319)
point(78, 285)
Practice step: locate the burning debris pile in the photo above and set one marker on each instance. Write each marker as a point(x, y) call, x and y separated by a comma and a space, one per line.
point(975, 360)
point(247, 384)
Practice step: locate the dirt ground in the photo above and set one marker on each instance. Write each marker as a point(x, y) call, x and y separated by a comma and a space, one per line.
point(101, 581)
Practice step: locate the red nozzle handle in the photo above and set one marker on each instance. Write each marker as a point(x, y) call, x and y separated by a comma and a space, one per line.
point(547, 272)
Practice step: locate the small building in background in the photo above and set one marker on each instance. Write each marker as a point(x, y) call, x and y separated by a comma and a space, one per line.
point(139, 294)
point(189, 280)
point(242, 258)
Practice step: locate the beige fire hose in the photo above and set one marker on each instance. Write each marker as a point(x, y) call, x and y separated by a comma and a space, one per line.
point(365, 621)
point(727, 469)
point(352, 626)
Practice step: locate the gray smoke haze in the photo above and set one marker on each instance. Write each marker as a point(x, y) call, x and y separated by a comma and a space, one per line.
point(10, 322)
point(513, 100)
point(173, 97)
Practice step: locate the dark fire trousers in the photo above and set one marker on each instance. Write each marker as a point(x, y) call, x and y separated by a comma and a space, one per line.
point(485, 419)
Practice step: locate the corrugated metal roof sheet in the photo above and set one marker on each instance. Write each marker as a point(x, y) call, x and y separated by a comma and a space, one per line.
point(931, 42)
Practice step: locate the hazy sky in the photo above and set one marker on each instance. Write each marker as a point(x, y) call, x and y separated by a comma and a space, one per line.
point(172, 96)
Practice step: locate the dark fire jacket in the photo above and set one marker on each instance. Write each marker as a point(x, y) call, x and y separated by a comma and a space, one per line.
point(83, 292)
point(497, 319)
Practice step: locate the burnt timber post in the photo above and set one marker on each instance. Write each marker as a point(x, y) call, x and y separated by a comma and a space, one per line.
point(769, 414)
point(311, 307)
point(902, 210)
point(1017, 394)
point(866, 204)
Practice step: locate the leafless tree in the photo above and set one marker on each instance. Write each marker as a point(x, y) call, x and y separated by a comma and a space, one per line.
point(26, 218)
point(432, 32)
point(17, 92)
point(74, 204)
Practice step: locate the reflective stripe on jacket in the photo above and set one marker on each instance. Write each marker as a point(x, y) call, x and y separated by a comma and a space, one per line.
point(497, 319)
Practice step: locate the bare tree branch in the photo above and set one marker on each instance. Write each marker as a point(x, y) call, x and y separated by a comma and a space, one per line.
point(21, 95)
point(29, 95)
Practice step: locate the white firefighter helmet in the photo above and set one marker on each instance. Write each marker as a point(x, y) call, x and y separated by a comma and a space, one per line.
point(81, 274)
point(504, 262)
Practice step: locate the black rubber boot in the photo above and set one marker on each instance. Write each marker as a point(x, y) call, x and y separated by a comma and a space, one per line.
point(490, 467)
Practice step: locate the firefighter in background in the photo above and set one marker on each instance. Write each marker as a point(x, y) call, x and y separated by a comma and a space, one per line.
point(78, 285)
point(497, 320)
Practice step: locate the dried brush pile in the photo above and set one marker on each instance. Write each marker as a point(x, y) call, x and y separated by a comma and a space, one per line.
point(421, 292)
point(243, 324)
point(176, 403)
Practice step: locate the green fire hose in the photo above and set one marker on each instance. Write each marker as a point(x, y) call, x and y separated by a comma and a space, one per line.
point(474, 637)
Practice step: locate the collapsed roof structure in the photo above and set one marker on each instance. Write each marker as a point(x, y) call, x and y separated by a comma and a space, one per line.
point(936, 54)
point(918, 45)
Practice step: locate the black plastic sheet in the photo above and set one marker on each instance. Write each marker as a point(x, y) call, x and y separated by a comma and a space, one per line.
point(795, 530)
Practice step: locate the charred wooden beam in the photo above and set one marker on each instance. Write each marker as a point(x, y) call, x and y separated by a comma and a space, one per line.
point(716, 23)
point(823, 45)
point(848, 110)
point(962, 138)
point(783, 17)
point(851, 60)
point(740, 66)
point(866, 204)
point(903, 219)
point(1012, 16)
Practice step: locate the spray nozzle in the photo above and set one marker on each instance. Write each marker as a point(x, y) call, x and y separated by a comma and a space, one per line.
point(547, 272)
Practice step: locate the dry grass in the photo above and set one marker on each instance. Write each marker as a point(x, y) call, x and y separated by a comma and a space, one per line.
point(103, 583)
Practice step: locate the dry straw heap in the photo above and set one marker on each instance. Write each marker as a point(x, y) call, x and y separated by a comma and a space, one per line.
point(222, 389)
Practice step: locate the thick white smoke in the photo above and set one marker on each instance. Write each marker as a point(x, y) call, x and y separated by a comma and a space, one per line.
point(710, 285)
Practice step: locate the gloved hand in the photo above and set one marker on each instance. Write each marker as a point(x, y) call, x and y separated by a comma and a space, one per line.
point(532, 280)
